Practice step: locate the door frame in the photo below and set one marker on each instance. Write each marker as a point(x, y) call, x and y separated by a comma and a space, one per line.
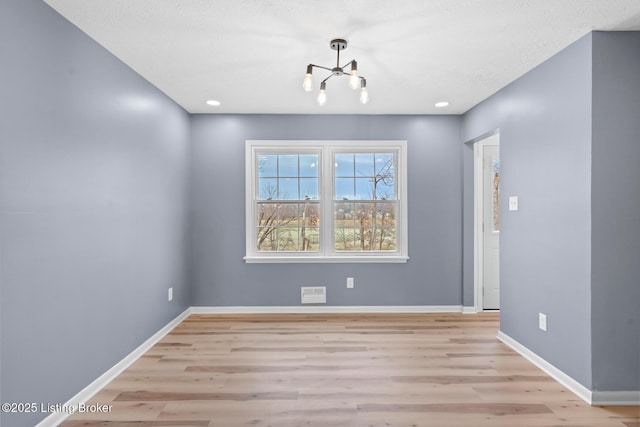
point(491, 138)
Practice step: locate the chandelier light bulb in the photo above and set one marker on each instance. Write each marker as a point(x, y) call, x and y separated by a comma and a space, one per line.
point(307, 84)
point(354, 80)
point(322, 96)
point(364, 94)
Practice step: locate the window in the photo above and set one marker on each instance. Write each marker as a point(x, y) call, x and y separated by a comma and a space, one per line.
point(326, 201)
point(287, 205)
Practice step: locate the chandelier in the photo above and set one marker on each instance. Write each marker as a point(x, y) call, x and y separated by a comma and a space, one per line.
point(355, 81)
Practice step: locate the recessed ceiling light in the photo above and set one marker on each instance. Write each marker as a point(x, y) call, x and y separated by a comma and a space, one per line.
point(442, 104)
point(213, 103)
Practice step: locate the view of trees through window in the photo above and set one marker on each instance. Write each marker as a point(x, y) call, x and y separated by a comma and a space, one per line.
point(288, 213)
point(364, 202)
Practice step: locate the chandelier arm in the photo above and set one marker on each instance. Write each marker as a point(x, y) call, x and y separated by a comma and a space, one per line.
point(330, 75)
point(320, 66)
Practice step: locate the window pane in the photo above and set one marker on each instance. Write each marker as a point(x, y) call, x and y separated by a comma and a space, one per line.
point(309, 221)
point(385, 164)
point(385, 239)
point(365, 226)
point(267, 239)
point(385, 214)
point(309, 239)
point(344, 189)
point(267, 165)
point(344, 239)
point(288, 189)
point(267, 189)
point(344, 165)
point(343, 215)
point(267, 214)
point(309, 188)
point(364, 214)
point(309, 165)
point(288, 227)
point(364, 239)
point(364, 188)
point(309, 215)
point(364, 164)
point(288, 165)
point(386, 189)
point(344, 220)
point(287, 239)
point(288, 215)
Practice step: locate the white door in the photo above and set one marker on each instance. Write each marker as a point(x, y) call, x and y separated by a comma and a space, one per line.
point(491, 227)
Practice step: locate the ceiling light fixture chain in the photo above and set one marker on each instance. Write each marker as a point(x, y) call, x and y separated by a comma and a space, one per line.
point(355, 81)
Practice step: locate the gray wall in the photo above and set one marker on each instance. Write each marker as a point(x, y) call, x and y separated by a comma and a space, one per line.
point(544, 119)
point(93, 208)
point(431, 277)
point(615, 266)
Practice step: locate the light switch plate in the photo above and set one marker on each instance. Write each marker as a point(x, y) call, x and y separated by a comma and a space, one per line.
point(513, 203)
point(542, 321)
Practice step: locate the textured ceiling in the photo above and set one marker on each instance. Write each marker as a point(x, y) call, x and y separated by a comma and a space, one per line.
point(251, 55)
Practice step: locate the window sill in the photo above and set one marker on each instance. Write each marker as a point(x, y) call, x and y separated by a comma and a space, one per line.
point(319, 259)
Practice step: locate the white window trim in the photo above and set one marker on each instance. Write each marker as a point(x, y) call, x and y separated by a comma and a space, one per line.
point(326, 254)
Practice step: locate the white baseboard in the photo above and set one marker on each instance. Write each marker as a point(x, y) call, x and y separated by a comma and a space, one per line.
point(594, 398)
point(318, 309)
point(99, 383)
point(574, 386)
point(469, 310)
point(615, 398)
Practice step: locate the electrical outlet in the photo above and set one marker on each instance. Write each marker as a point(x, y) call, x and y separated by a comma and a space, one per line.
point(170, 294)
point(542, 321)
point(350, 282)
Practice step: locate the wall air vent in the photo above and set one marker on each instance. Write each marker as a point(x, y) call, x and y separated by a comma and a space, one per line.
point(314, 294)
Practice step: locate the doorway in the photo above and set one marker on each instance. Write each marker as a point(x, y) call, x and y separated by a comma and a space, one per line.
point(487, 223)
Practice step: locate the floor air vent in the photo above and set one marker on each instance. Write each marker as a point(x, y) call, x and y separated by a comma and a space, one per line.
point(314, 294)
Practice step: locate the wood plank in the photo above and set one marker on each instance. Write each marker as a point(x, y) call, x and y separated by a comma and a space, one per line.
point(146, 396)
point(457, 408)
point(469, 379)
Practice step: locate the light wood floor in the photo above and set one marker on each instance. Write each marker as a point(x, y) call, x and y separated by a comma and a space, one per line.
point(439, 370)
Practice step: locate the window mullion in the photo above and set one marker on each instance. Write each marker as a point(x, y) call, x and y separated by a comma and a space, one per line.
point(327, 202)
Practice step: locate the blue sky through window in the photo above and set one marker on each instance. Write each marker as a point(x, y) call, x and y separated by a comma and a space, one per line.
point(355, 174)
point(288, 176)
